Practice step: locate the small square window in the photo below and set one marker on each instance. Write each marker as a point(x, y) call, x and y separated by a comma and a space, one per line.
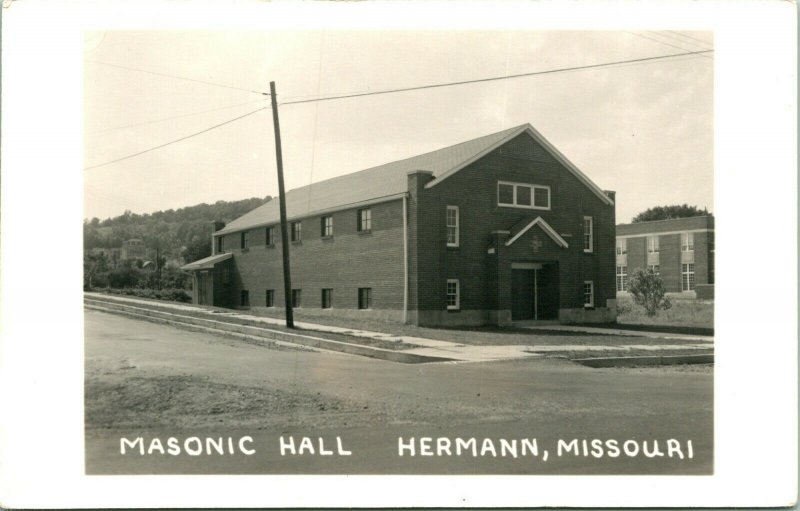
point(365, 298)
point(270, 236)
point(245, 298)
point(327, 298)
point(270, 298)
point(505, 194)
point(297, 231)
point(364, 220)
point(297, 295)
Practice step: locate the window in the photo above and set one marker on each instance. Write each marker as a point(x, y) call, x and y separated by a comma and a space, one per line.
point(588, 238)
point(687, 242)
point(687, 277)
point(245, 240)
point(326, 226)
point(245, 298)
point(220, 244)
point(297, 294)
point(364, 220)
point(588, 293)
point(652, 245)
point(622, 279)
point(365, 298)
point(327, 298)
point(270, 236)
point(297, 231)
point(521, 195)
point(452, 226)
point(622, 246)
point(270, 298)
point(656, 269)
point(453, 297)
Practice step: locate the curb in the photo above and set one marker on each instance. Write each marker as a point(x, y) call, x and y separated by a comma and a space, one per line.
point(255, 334)
point(662, 360)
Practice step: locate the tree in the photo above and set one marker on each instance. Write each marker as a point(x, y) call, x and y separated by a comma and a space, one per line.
point(668, 212)
point(648, 291)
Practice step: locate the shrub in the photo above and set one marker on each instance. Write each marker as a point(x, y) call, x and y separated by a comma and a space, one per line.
point(172, 295)
point(647, 290)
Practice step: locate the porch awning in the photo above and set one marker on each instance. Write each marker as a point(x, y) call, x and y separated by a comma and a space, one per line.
point(206, 263)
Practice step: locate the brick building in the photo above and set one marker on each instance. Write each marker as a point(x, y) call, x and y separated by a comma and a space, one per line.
point(487, 231)
point(680, 250)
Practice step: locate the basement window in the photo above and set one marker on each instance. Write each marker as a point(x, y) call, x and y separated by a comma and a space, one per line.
point(297, 295)
point(365, 298)
point(270, 298)
point(588, 293)
point(327, 298)
point(453, 295)
point(245, 298)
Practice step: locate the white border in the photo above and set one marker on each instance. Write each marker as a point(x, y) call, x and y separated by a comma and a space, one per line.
point(41, 434)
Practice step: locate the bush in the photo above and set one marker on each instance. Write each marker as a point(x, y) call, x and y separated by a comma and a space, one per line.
point(171, 295)
point(647, 290)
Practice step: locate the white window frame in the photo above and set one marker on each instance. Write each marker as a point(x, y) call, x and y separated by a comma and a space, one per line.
point(364, 220)
point(687, 242)
point(327, 226)
point(622, 246)
point(622, 278)
point(690, 282)
point(532, 187)
point(447, 222)
point(653, 245)
point(590, 234)
point(590, 283)
point(457, 305)
point(296, 235)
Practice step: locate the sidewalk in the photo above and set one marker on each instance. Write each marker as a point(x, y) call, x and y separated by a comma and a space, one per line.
point(425, 347)
point(623, 332)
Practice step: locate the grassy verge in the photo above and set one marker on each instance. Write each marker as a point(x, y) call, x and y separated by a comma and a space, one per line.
point(684, 314)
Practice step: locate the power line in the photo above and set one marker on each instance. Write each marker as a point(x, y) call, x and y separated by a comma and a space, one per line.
point(176, 77)
point(678, 40)
point(495, 78)
point(104, 130)
point(175, 141)
point(662, 42)
point(690, 37)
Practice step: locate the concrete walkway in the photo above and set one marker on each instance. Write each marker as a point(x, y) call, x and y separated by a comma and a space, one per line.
point(425, 347)
point(623, 332)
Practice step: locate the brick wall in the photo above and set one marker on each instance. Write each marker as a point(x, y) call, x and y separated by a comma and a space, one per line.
point(474, 190)
point(345, 262)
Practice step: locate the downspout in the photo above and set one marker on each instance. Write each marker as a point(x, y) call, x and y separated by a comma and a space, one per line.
point(405, 258)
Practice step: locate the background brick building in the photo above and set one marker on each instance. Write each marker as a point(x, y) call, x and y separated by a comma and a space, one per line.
point(680, 250)
point(495, 229)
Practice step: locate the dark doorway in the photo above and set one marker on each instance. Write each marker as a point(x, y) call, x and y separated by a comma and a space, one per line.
point(534, 292)
point(523, 294)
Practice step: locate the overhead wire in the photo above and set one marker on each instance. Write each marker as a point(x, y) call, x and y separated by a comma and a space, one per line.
point(167, 75)
point(174, 141)
point(661, 42)
point(677, 40)
point(689, 37)
point(163, 119)
point(495, 78)
point(405, 89)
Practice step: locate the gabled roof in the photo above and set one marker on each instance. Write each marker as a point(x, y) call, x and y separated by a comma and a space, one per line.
point(390, 181)
point(206, 263)
point(545, 227)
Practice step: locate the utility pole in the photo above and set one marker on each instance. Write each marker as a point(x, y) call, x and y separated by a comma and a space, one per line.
point(287, 278)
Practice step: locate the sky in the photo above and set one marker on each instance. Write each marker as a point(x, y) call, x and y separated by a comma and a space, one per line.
point(644, 130)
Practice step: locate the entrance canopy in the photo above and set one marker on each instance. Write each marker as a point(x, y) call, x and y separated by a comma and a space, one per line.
point(206, 263)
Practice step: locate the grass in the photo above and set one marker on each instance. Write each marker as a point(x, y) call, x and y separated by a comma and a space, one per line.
point(683, 314)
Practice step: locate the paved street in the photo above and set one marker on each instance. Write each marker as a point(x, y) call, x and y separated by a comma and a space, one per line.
point(151, 380)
